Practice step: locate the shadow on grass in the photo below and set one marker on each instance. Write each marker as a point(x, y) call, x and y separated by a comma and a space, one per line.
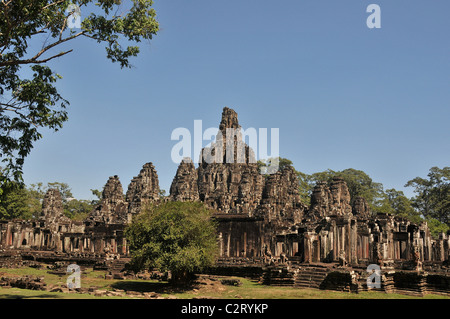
point(158, 287)
point(20, 296)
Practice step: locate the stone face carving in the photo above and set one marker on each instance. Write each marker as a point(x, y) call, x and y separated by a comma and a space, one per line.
point(112, 208)
point(330, 200)
point(228, 177)
point(229, 147)
point(280, 198)
point(230, 188)
point(52, 205)
point(53, 212)
point(143, 189)
point(184, 185)
point(340, 197)
point(361, 208)
point(229, 181)
point(320, 200)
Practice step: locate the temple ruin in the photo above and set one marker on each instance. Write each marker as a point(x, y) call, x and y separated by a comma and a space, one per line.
point(263, 224)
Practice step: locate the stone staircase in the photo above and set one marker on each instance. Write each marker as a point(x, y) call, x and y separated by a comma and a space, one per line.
point(310, 277)
point(118, 265)
point(278, 276)
point(305, 276)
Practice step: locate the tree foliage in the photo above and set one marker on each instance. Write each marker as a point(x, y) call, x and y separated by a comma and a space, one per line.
point(31, 31)
point(76, 209)
point(433, 194)
point(395, 202)
point(15, 203)
point(179, 237)
point(273, 165)
point(20, 202)
point(358, 183)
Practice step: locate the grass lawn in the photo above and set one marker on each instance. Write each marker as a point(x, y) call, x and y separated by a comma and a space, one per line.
point(212, 289)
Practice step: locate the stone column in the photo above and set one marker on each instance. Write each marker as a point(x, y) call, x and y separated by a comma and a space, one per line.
point(221, 252)
point(244, 244)
point(228, 244)
point(324, 247)
point(353, 242)
point(307, 248)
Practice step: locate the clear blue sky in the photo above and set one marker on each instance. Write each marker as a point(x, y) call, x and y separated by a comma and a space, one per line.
point(342, 95)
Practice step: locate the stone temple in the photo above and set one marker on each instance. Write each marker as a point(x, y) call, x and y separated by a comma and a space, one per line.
point(264, 229)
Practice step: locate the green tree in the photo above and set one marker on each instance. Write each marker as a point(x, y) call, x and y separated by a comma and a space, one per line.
point(36, 193)
point(305, 187)
point(395, 202)
point(358, 183)
point(179, 237)
point(433, 194)
point(31, 32)
point(78, 209)
point(273, 164)
point(14, 203)
point(64, 190)
point(436, 227)
point(97, 193)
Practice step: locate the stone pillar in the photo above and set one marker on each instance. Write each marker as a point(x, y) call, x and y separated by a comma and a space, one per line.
point(114, 245)
point(408, 255)
point(9, 236)
point(324, 244)
point(335, 241)
point(307, 248)
point(123, 246)
point(221, 252)
point(228, 245)
point(441, 248)
point(428, 243)
point(244, 244)
point(353, 242)
point(316, 250)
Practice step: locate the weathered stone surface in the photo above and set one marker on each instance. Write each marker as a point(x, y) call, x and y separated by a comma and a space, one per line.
point(52, 205)
point(280, 198)
point(112, 208)
point(330, 200)
point(230, 182)
point(230, 188)
point(228, 176)
point(320, 200)
point(143, 189)
point(23, 282)
point(184, 185)
point(340, 197)
point(361, 208)
point(229, 146)
point(52, 216)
